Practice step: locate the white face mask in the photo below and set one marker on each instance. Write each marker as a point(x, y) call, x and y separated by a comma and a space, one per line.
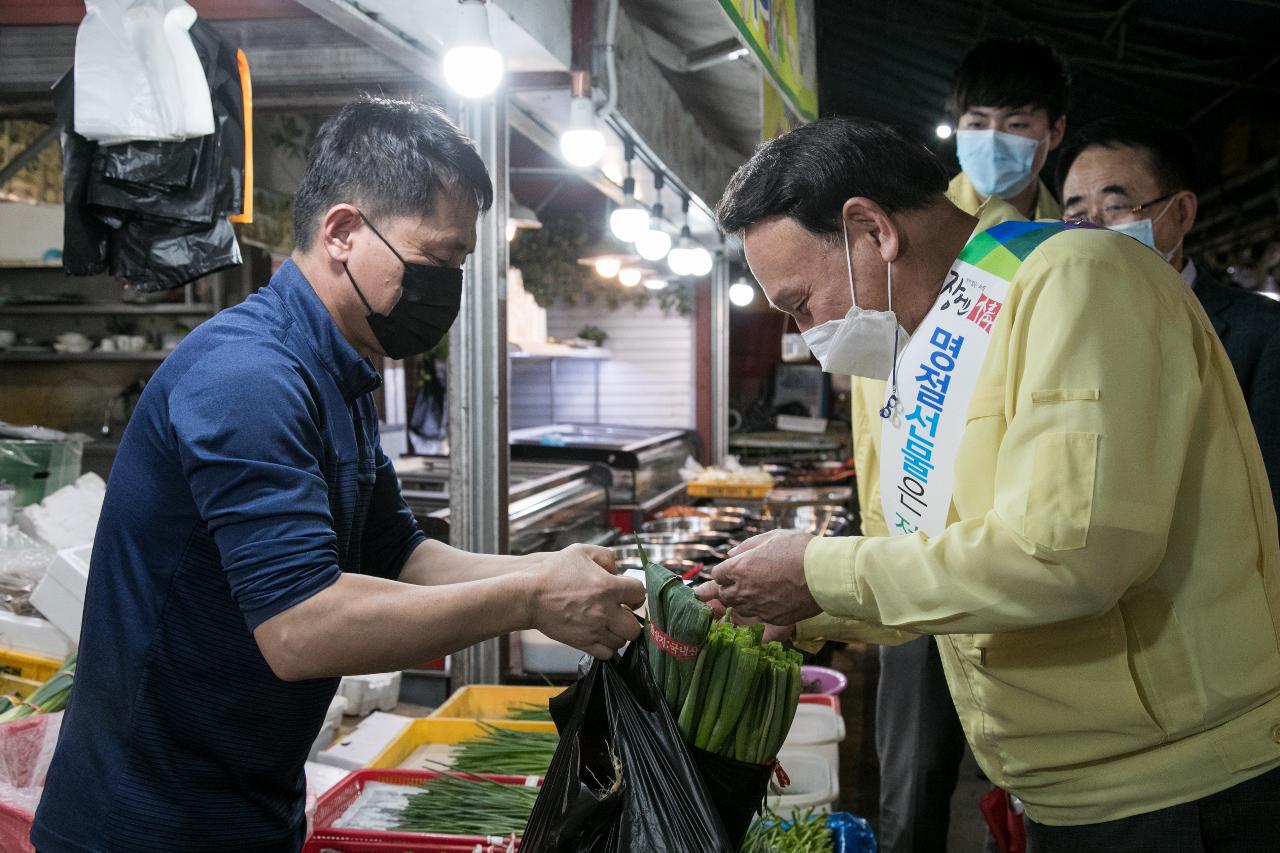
point(861, 343)
point(1144, 231)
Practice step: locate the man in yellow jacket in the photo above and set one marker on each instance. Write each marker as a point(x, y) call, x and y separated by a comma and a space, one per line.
point(1009, 100)
point(1077, 502)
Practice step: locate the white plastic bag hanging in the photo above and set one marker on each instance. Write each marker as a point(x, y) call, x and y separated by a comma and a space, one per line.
point(137, 75)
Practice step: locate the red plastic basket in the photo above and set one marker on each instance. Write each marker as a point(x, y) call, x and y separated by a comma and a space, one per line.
point(337, 799)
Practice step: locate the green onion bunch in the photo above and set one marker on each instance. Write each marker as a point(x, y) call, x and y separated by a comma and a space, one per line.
point(529, 712)
point(675, 610)
point(451, 804)
point(47, 698)
point(505, 751)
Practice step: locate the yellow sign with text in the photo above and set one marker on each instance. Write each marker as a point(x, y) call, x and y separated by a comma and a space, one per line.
point(771, 29)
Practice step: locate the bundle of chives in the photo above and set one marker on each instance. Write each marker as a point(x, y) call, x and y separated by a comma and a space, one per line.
point(500, 750)
point(452, 804)
point(677, 629)
point(806, 834)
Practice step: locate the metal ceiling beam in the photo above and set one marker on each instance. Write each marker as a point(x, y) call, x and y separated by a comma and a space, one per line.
point(1208, 108)
point(1175, 74)
point(391, 41)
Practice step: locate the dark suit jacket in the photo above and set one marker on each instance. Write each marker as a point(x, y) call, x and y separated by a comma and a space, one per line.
point(1249, 326)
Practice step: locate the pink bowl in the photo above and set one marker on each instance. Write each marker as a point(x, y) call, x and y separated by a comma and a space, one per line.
point(821, 679)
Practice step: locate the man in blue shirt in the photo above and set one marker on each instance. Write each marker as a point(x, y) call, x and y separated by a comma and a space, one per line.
point(254, 547)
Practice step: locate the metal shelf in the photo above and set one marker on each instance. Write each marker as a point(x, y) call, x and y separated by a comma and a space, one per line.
point(147, 355)
point(166, 308)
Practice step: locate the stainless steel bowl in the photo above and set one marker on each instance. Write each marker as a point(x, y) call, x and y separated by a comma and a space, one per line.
point(715, 539)
point(662, 553)
point(677, 567)
point(817, 520)
point(692, 524)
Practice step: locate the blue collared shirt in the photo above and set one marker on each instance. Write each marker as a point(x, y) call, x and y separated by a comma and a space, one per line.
point(249, 478)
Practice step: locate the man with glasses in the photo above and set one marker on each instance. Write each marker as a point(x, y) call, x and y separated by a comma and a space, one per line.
point(1138, 177)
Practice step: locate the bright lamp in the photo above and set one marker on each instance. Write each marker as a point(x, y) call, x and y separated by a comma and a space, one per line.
point(472, 65)
point(583, 143)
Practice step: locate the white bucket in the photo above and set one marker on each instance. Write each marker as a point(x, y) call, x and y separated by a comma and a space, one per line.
point(816, 729)
point(815, 784)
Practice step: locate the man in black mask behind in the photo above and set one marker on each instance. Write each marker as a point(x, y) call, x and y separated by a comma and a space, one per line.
point(253, 545)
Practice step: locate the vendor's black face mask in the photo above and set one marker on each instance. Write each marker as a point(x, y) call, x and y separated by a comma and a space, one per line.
point(430, 297)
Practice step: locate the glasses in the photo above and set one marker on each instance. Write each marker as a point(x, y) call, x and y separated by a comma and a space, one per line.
point(1117, 214)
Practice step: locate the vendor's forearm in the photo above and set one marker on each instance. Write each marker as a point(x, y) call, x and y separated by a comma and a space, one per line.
point(364, 624)
point(434, 563)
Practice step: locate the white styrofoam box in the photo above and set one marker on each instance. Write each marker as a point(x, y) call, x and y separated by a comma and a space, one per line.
point(815, 783)
point(322, 777)
point(332, 723)
point(33, 635)
point(68, 517)
point(817, 729)
point(796, 423)
point(59, 605)
point(368, 693)
point(70, 567)
point(540, 653)
point(374, 734)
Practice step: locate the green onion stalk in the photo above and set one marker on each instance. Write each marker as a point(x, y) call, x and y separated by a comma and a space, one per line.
point(807, 833)
point(506, 751)
point(47, 698)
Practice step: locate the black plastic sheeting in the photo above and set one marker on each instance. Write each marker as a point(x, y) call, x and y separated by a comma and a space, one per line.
point(623, 780)
point(155, 213)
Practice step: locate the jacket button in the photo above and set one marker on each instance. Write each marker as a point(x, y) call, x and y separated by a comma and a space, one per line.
point(1275, 733)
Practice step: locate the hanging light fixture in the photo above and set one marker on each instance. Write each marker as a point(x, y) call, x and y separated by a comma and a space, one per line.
point(582, 144)
point(686, 258)
point(630, 220)
point(655, 283)
point(654, 243)
point(629, 276)
point(472, 65)
point(741, 293)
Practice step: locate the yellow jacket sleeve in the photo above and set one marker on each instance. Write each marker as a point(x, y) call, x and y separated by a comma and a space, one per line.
point(1065, 492)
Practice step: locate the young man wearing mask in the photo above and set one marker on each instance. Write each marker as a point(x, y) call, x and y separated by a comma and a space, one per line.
point(1009, 98)
point(1138, 177)
point(1106, 594)
point(254, 545)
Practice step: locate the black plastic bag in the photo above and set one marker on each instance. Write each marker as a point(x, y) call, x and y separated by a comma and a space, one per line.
point(623, 780)
point(155, 213)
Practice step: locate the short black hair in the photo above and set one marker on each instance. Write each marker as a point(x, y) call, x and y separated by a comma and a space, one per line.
point(391, 157)
point(1170, 152)
point(1011, 73)
point(810, 172)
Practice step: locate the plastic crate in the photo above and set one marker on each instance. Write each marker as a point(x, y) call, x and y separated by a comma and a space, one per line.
point(736, 491)
point(491, 701)
point(446, 731)
point(335, 802)
point(22, 673)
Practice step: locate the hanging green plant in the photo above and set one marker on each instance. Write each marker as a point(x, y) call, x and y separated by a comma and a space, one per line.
point(548, 261)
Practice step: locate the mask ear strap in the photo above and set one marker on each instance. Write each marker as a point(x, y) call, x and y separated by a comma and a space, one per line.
point(359, 293)
point(892, 402)
point(848, 260)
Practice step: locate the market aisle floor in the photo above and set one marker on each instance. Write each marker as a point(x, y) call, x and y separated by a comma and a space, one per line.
point(859, 769)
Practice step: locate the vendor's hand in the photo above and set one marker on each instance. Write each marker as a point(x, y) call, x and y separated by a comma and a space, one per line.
point(764, 578)
point(576, 599)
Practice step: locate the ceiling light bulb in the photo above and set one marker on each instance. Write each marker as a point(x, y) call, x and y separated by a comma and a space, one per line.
point(654, 244)
point(472, 65)
point(741, 293)
point(629, 277)
point(655, 283)
point(680, 259)
point(608, 267)
point(630, 220)
point(700, 262)
point(583, 143)
point(944, 131)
